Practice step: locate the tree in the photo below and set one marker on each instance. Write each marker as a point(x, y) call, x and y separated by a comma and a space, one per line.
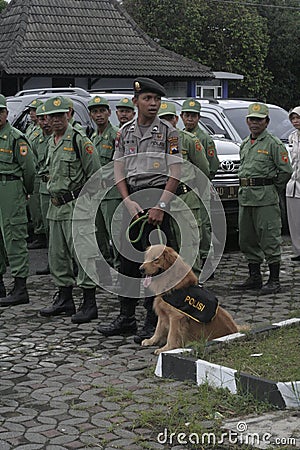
point(3, 5)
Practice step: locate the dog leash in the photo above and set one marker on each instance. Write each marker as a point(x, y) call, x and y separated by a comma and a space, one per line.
point(143, 219)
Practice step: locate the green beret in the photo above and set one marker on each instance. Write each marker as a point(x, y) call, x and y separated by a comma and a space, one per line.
point(98, 101)
point(141, 85)
point(2, 101)
point(191, 105)
point(167, 108)
point(35, 103)
point(259, 110)
point(57, 104)
point(125, 103)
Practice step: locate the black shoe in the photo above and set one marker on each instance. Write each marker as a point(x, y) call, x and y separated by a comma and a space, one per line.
point(88, 309)
point(145, 333)
point(122, 325)
point(63, 304)
point(295, 258)
point(271, 287)
point(254, 281)
point(2, 288)
point(18, 295)
point(45, 271)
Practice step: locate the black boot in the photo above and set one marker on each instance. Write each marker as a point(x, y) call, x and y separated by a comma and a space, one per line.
point(2, 288)
point(254, 281)
point(125, 323)
point(63, 303)
point(88, 310)
point(18, 295)
point(273, 285)
point(150, 322)
point(44, 271)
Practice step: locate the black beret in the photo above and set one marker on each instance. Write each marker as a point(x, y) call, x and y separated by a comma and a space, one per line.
point(141, 85)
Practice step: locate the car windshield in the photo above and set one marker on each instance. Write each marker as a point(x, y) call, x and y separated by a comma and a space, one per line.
point(279, 124)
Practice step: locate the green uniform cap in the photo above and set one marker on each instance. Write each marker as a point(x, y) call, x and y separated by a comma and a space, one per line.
point(2, 101)
point(56, 105)
point(191, 105)
point(141, 85)
point(40, 111)
point(70, 102)
point(35, 103)
point(167, 108)
point(98, 101)
point(125, 103)
point(295, 110)
point(259, 110)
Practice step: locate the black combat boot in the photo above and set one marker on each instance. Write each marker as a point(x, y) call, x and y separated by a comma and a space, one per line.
point(273, 285)
point(254, 281)
point(150, 322)
point(88, 309)
point(18, 295)
point(2, 287)
point(63, 303)
point(125, 323)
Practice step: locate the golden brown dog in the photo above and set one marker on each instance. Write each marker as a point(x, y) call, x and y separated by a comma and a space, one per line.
point(165, 271)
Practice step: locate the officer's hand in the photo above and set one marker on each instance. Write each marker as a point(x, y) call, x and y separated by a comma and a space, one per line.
point(156, 216)
point(133, 208)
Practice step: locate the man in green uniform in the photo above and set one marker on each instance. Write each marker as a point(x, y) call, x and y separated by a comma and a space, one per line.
point(33, 130)
point(40, 149)
point(33, 134)
point(104, 141)
point(72, 161)
point(190, 114)
point(17, 172)
point(264, 171)
point(147, 176)
point(125, 111)
point(187, 191)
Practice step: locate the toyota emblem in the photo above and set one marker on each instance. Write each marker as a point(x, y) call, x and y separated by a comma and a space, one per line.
point(227, 166)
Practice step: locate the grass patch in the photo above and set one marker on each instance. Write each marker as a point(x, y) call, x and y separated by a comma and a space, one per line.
point(277, 354)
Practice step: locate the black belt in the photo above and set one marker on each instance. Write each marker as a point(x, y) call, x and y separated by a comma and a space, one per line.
point(182, 189)
point(8, 177)
point(256, 182)
point(132, 189)
point(60, 200)
point(45, 178)
point(107, 183)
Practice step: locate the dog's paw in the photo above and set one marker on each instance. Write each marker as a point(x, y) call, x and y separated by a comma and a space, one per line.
point(146, 342)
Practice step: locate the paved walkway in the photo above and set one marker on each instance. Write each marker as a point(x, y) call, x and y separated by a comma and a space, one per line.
point(64, 386)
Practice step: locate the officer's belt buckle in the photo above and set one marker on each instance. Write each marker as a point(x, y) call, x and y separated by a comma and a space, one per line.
point(244, 182)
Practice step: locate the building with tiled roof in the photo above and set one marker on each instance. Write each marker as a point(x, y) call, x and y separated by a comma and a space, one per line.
point(84, 43)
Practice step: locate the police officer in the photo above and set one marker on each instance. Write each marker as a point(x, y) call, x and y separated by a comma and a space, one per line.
point(146, 179)
point(104, 141)
point(33, 130)
point(72, 161)
point(125, 111)
point(40, 148)
point(187, 190)
point(17, 172)
point(264, 171)
point(190, 114)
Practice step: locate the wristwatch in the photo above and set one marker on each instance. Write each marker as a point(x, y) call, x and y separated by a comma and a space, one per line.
point(162, 205)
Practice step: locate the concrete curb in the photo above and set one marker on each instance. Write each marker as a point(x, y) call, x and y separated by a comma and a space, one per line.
point(176, 365)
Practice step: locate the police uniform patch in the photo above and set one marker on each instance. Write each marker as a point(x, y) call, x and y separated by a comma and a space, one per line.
point(23, 150)
point(198, 146)
point(156, 165)
point(256, 107)
point(68, 149)
point(163, 106)
point(97, 99)
point(137, 86)
point(57, 102)
point(89, 149)
point(192, 103)
point(211, 152)
point(125, 100)
point(285, 158)
point(265, 152)
point(195, 302)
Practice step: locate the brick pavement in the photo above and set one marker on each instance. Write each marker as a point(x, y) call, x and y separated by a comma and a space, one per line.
point(65, 386)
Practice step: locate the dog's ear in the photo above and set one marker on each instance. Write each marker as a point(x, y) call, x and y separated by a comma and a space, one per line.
point(170, 256)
